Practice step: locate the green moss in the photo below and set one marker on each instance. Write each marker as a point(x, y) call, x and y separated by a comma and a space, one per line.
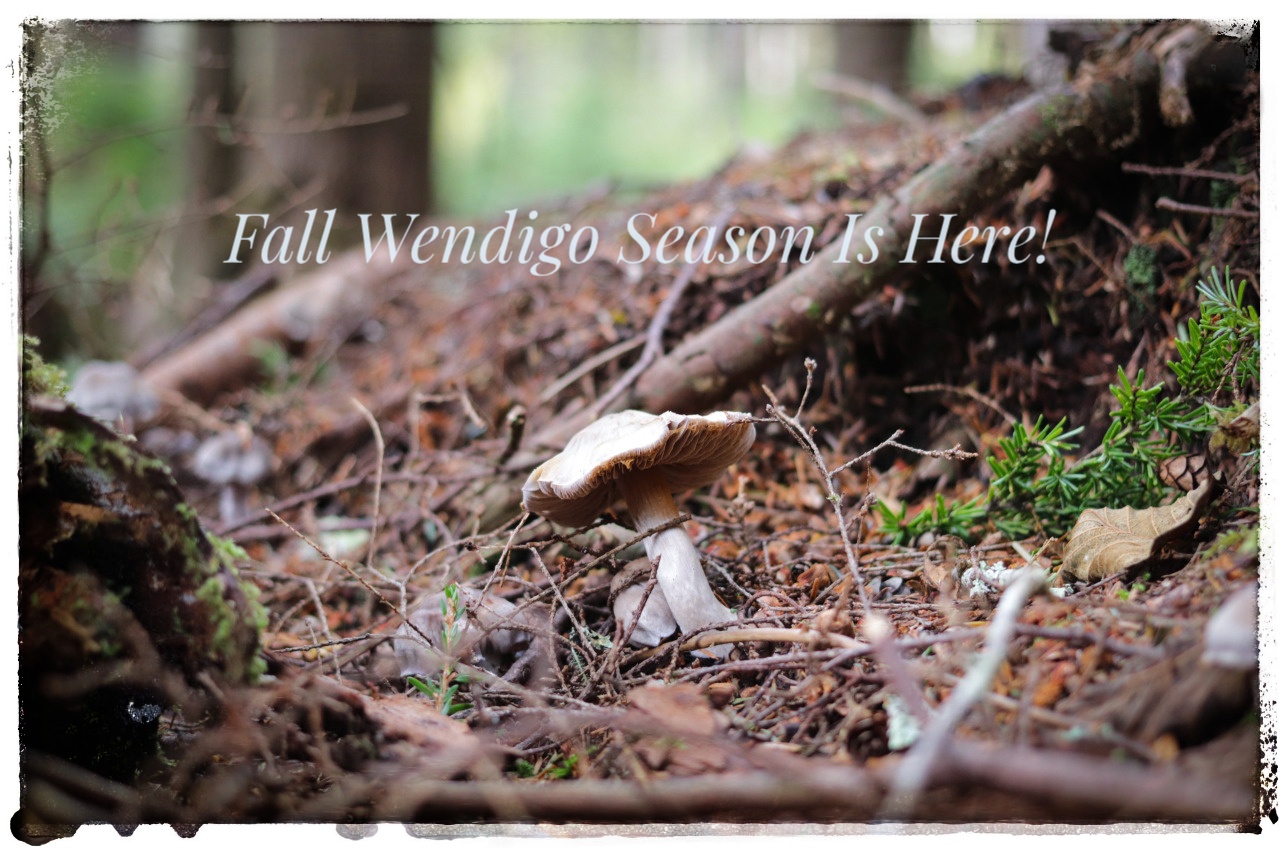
point(122, 477)
point(1222, 193)
point(212, 593)
point(1140, 267)
point(1238, 540)
point(101, 615)
point(38, 376)
point(1054, 110)
point(228, 549)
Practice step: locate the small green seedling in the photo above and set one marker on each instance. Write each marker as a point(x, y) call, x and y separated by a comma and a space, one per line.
point(444, 692)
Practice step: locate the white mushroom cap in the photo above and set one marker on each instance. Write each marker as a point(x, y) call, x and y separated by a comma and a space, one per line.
point(692, 451)
point(112, 390)
point(233, 456)
point(644, 459)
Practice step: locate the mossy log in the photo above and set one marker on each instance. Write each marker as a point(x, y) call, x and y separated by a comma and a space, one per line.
point(123, 599)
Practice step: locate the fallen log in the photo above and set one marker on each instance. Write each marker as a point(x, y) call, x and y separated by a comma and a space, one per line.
point(123, 598)
point(229, 354)
point(1109, 107)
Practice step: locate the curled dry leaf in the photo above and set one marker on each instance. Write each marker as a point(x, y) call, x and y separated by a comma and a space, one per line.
point(1106, 541)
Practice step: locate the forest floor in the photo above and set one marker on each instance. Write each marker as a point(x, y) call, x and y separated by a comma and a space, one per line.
point(885, 663)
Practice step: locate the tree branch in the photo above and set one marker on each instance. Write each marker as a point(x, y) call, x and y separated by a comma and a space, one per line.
point(1085, 123)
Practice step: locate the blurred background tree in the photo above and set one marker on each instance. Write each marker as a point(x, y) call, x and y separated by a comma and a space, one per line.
point(141, 140)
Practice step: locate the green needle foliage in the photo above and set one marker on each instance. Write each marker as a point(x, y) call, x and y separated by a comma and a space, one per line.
point(1036, 487)
point(1222, 345)
point(944, 517)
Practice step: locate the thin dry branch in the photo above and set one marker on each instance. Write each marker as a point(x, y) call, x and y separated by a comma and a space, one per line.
point(835, 496)
point(653, 337)
point(1165, 203)
point(876, 96)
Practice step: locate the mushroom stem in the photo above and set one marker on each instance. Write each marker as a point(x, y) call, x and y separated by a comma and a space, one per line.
point(648, 497)
point(653, 624)
point(231, 503)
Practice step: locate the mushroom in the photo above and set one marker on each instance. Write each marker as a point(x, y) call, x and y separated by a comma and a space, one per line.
point(645, 459)
point(655, 622)
point(232, 459)
point(113, 393)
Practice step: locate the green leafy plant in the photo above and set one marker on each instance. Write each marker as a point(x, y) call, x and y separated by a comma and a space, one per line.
point(1036, 484)
point(444, 691)
point(555, 766)
point(1222, 345)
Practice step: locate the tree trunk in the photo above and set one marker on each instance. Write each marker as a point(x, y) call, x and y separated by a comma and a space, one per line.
point(874, 51)
point(333, 70)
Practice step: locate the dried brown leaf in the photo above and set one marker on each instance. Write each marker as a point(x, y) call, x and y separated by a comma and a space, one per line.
point(1106, 541)
point(689, 725)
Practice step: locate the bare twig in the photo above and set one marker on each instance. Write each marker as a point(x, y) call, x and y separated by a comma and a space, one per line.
point(807, 636)
point(324, 491)
point(875, 96)
point(601, 358)
point(559, 596)
point(1165, 203)
point(972, 393)
point(1186, 172)
point(355, 575)
point(892, 441)
point(834, 495)
point(504, 559)
point(377, 476)
point(653, 337)
point(1117, 224)
point(341, 641)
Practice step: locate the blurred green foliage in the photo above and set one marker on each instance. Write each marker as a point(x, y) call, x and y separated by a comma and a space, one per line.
point(113, 159)
point(532, 110)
